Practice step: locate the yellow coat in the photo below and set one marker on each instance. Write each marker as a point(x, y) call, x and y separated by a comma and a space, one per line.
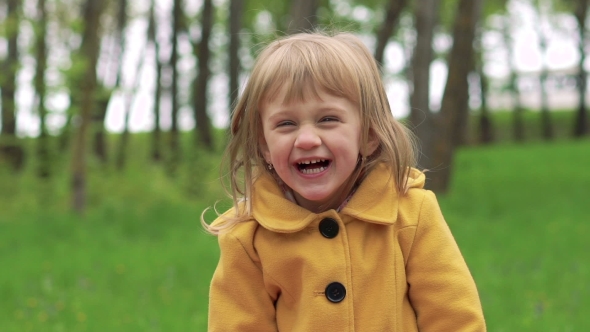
point(383, 263)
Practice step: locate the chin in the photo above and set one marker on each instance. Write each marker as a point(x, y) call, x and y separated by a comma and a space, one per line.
point(319, 199)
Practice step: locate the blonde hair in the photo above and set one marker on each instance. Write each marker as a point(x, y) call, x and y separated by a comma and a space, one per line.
point(341, 65)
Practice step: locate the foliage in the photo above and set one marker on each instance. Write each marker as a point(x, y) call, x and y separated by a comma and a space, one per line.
point(494, 7)
point(448, 13)
point(277, 9)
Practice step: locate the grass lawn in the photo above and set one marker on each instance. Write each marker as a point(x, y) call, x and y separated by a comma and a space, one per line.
point(139, 261)
point(521, 215)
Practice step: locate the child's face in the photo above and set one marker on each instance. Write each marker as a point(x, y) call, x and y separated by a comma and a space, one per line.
point(313, 145)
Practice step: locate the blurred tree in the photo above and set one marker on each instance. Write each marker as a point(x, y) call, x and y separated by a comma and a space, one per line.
point(518, 129)
point(10, 148)
point(256, 19)
point(174, 139)
point(303, 16)
point(542, 8)
point(70, 28)
point(581, 126)
point(104, 95)
point(156, 149)
point(203, 130)
point(456, 95)
point(491, 9)
point(236, 9)
point(43, 153)
point(390, 23)
point(130, 97)
point(421, 118)
point(86, 83)
point(486, 129)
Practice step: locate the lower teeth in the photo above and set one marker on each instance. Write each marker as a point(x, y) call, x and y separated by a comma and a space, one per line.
point(313, 170)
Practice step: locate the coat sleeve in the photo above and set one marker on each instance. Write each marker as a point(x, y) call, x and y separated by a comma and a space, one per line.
point(238, 300)
point(441, 288)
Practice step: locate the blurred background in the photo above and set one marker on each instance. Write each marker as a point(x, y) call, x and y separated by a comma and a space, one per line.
point(115, 115)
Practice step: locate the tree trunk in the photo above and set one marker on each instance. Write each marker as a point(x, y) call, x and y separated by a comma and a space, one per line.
point(456, 95)
point(235, 24)
point(546, 127)
point(174, 133)
point(10, 148)
point(66, 130)
point(44, 163)
point(129, 99)
point(100, 137)
point(203, 131)
point(518, 129)
point(390, 23)
point(89, 51)
point(421, 118)
point(303, 16)
point(486, 129)
point(104, 98)
point(156, 152)
point(581, 126)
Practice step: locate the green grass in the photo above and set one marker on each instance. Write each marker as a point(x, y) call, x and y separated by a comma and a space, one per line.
point(521, 215)
point(139, 261)
point(116, 270)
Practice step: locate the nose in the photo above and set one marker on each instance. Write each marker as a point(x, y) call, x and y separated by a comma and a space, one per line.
point(307, 138)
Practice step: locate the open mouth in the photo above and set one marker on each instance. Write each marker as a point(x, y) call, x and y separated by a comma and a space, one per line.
point(313, 166)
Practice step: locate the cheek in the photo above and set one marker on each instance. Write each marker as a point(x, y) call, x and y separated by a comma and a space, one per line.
point(264, 147)
point(275, 151)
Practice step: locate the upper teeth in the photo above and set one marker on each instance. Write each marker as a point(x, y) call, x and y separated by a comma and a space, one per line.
point(312, 161)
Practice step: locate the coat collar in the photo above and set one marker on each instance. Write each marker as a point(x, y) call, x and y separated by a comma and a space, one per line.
point(375, 201)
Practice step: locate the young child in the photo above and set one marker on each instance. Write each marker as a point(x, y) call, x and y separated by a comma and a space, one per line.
point(331, 229)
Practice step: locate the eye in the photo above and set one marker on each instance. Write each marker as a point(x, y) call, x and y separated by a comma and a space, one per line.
point(329, 119)
point(285, 123)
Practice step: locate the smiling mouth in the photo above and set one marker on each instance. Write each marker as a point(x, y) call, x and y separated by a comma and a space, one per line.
point(313, 166)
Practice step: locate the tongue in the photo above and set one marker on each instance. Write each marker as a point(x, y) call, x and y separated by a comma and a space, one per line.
point(311, 166)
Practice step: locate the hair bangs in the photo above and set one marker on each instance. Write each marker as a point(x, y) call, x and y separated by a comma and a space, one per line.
point(303, 67)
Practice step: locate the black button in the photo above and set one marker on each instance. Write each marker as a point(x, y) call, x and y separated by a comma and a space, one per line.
point(329, 228)
point(335, 292)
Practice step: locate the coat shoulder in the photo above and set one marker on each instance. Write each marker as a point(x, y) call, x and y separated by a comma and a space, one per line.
point(239, 236)
point(240, 229)
point(413, 204)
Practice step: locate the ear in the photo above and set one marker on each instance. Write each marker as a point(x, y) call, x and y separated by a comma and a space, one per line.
point(372, 143)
